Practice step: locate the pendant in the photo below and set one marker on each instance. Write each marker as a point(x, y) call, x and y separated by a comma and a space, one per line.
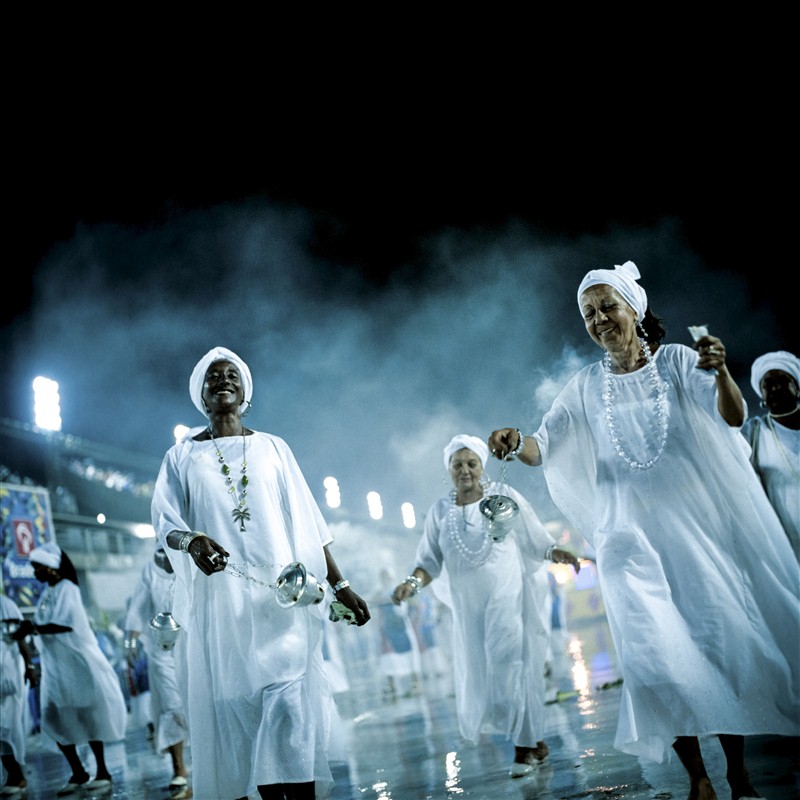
point(240, 515)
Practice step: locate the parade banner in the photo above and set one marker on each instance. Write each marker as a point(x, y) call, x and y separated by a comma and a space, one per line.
point(26, 523)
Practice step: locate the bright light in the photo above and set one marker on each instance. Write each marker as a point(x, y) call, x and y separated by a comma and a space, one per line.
point(101, 518)
point(409, 519)
point(179, 432)
point(375, 506)
point(46, 405)
point(142, 531)
point(333, 496)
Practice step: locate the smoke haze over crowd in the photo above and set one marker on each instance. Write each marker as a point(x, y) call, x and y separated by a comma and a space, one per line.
point(374, 331)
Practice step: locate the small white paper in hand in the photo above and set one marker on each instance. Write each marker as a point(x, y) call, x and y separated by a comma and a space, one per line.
point(698, 331)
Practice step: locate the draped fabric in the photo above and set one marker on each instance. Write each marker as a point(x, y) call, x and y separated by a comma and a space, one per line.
point(254, 683)
point(13, 689)
point(699, 581)
point(80, 694)
point(776, 458)
point(152, 595)
point(500, 618)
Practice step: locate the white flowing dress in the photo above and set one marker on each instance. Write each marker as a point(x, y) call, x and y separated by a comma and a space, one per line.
point(699, 581)
point(152, 595)
point(776, 458)
point(80, 694)
point(254, 682)
point(13, 690)
point(500, 617)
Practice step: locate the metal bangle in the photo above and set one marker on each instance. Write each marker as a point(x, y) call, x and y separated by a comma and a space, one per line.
point(414, 582)
point(342, 584)
point(187, 539)
point(548, 556)
point(520, 444)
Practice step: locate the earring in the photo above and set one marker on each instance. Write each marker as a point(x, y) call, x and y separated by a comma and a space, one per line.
point(248, 406)
point(762, 402)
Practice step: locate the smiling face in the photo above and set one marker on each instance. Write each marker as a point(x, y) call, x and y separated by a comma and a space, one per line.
point(608, 318)
point(222, 390)
point(466, 470)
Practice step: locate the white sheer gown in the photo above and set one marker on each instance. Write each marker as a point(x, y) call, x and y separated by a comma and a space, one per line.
point(13, 690)
point(776, 458)
point(80, 694)
point(700, 583)
point(254, 682)
point(152, 595)
point(500, 617)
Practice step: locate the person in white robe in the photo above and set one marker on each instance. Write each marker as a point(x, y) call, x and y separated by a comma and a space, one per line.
point(232, 509)
point(79, 692)
point(495, 583)
point(775, 436)
point(16, 672)
point(643, 452)
point(151, 595)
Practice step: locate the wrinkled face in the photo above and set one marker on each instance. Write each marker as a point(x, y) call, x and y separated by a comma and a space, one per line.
point(465, 470)
point(780, 391)
point(608, 318)
point(222, 389)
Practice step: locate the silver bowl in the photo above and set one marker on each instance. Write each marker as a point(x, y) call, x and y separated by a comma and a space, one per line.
point(296, 586)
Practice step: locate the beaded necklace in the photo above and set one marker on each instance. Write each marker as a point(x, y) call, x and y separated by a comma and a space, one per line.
point(662, 414)
point(240, 511)
point(475, 557)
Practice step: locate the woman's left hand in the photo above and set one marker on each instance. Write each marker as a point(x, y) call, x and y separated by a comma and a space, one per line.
point(347, 597)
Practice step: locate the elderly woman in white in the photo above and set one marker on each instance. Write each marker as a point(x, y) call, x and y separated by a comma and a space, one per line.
point(642, 451)
point(498, 592)
point(775, 436)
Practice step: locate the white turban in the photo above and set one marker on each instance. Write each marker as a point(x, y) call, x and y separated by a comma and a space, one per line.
point(198, 379)
point(623, 279)
point(47, 554)
point(478, 446)
point(780, 359)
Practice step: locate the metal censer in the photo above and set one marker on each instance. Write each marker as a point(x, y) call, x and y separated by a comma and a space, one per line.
point(499, 511)
point(296, 586)
point(165, 630)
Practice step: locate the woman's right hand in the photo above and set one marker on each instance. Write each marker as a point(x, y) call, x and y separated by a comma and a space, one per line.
point(502, 442)
point(209, 556)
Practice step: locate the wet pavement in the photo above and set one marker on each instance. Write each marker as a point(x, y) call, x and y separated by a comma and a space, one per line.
point(399, 740)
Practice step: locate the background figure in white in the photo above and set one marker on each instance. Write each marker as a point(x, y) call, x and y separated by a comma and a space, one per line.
point(497, 591)
point(153, 594)
point(775, 436)
point(80, 693)
point(430, 619)
point(16, 671)
point(399, 657)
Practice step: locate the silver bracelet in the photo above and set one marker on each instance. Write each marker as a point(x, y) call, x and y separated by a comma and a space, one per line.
point(342, 584)
point(548, 556)
point(415, 583)
point(520, 444)
point(187, 539)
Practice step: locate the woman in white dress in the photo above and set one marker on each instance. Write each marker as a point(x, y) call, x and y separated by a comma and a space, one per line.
point(497, 591)
point(232, 509)
point(16, 668)
point(643, 452)
point(152, 595)
point(80, 694)
point(775, 436)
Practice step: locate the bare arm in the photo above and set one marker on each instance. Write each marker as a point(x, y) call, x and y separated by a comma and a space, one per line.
point(418, 579)
point(345, 595)
point(730, 402)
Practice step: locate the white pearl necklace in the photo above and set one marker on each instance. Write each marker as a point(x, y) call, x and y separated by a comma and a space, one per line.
point(475, 557)
point(662, 413)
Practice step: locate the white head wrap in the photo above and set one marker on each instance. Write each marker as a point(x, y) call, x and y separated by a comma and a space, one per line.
point(48, 554)
point(780, 359)
point(623, 279)
point(478, 446)
point(198, 378)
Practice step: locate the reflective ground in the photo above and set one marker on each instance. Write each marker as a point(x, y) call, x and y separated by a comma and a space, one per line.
point(399, 738)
